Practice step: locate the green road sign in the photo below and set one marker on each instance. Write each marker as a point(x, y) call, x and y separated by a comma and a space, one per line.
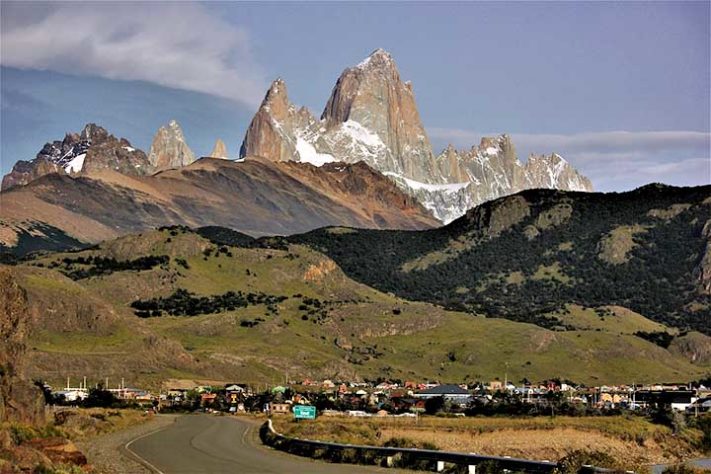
point(307, 412)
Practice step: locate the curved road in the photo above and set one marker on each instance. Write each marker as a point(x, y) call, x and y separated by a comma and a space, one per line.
point(197, 444)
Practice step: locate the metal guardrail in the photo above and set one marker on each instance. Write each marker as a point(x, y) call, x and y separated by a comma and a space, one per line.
point(281, 442)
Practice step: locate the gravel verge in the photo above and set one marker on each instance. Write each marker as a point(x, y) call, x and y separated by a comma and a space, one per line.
point(107, 454)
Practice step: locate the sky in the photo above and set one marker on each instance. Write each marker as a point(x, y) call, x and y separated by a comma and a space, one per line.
point(621, 90)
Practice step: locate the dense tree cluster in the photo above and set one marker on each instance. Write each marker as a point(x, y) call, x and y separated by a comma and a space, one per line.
point(79, 268)
point(519, 277)
point(184, 303)
point(660, 338)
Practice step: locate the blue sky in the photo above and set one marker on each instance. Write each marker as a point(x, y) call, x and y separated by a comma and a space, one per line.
point(619, 89)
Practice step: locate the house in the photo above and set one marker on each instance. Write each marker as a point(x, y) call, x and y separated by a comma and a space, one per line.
point(453, 393)
point(280, 408)
point(207, 399)
point(676, 399)
point(701, 405)
point(72, 395)
point(496, 385)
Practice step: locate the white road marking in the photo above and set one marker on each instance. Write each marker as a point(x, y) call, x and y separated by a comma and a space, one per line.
point(141, 459)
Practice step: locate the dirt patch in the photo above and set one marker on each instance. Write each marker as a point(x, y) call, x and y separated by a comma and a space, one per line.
point(316, 273)
point(615, 246)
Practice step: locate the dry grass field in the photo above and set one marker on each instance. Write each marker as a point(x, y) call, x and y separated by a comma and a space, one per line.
point(631, 440)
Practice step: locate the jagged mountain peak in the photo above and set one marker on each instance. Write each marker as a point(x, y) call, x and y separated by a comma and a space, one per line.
point(377, 59)
point(276, 101)
point(169, 149)
point(276, 89)
point(371, 116)
point(92, 131)
point(173, 127)
point(91, 149)
point(219, 150)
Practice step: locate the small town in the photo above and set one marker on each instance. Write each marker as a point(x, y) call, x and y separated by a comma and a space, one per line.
point(394, 398)
point(349, 237)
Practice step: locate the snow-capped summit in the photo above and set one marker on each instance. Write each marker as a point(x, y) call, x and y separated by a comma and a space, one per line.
point(372, 116)
point(94, 148)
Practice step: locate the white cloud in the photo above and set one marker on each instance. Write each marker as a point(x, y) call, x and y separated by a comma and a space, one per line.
point(173, 44)
point(613, 160)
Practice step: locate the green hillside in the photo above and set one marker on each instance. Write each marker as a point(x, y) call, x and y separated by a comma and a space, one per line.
point(262, 314)
point(524, 256)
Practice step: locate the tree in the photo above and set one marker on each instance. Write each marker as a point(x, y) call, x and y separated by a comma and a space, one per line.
point(98, 397)
point(434, 405)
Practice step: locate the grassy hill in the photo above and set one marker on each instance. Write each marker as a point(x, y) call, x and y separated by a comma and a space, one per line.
point(525, 256)
point(176, 303)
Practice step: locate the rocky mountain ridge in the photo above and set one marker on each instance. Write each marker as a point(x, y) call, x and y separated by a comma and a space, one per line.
point(254, 196)
point(93, 149)
point(372, 116)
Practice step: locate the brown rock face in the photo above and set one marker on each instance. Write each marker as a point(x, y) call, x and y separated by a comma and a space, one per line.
point(372, 116)
point(219, 150)
point(169, 149)
point(25, 171)
point(19, 399)
point(702, 273)
point(277, 126)
point(93, 149)
point(373, 96)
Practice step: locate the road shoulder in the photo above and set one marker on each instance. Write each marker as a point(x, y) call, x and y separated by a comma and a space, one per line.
point(107, 453)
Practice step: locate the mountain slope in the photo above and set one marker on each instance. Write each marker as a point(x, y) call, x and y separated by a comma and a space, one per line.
point(256, 196)
point(290, 310)
point(372, 116)
point(523, 256)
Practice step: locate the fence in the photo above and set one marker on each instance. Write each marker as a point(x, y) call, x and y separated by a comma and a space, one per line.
point(410, 458)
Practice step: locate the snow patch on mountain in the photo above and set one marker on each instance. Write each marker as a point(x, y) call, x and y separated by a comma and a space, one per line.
point(361, 134)
point(307, 153)
point(76, 164)
point(417, 185)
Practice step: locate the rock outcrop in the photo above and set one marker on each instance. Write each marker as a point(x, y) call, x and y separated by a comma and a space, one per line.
point(702, 272)
point(372, 116)
point(219, 150)
point(19, 400)
point(169, 149)
point(93, 149)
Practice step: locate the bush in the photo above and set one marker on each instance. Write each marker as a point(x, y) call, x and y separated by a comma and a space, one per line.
point(573, 462)
point(682, 469)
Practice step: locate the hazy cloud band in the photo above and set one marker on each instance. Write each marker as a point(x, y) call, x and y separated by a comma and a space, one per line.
point(173, 44)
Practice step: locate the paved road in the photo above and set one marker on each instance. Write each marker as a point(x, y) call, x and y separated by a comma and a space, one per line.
point(198, 444)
